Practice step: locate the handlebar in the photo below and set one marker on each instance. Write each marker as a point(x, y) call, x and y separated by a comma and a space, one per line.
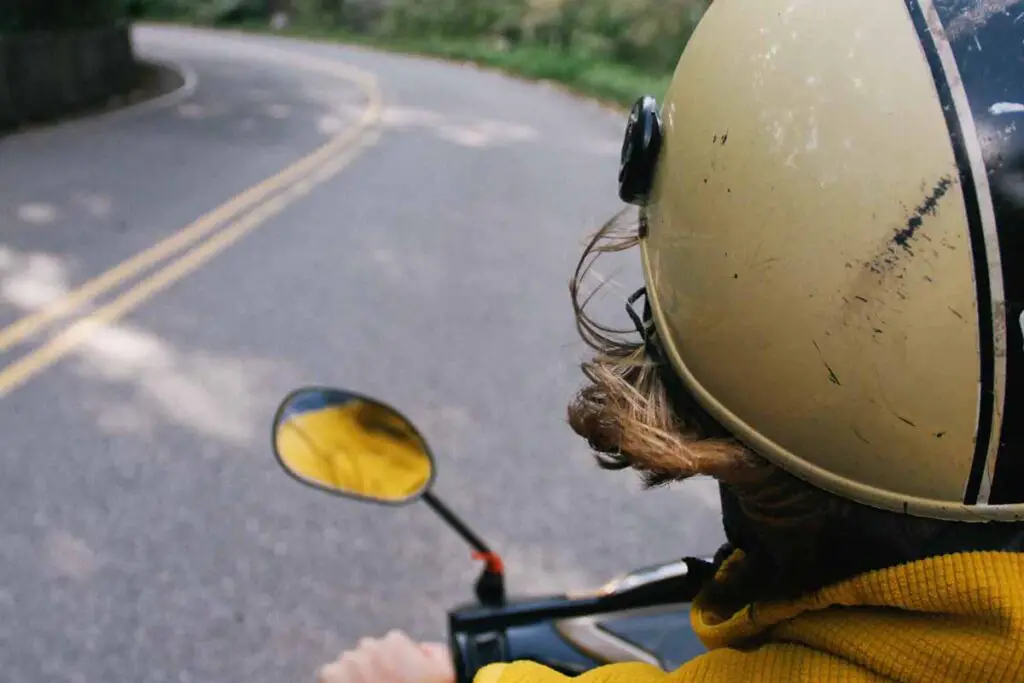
point(479, 634)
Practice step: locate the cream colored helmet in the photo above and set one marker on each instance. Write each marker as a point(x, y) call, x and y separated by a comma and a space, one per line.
point(833, 203)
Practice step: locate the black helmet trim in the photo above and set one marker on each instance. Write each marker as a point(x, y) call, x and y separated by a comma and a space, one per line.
point(976, 57)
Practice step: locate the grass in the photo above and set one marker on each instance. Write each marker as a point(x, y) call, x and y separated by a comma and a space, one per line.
point(608, 82)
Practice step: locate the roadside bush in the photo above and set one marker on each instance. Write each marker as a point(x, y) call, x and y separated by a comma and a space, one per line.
point(644, 33)
point(648, 34)
point(611, 49)
point(205, 11)
point(56, 15)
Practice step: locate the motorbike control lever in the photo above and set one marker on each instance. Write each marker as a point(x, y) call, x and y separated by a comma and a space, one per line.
point(480, 634)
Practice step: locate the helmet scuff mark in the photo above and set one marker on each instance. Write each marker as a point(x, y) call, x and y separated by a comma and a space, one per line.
point(926, 208)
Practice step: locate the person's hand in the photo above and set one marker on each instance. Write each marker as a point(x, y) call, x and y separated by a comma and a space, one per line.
point(393, 659)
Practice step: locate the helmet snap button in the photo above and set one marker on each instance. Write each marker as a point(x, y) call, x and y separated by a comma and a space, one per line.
point(640, 152)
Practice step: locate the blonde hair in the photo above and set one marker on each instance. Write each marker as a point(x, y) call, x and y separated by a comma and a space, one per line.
point(626, 412)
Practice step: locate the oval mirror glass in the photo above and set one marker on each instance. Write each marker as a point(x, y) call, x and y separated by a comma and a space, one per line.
point(351, 445)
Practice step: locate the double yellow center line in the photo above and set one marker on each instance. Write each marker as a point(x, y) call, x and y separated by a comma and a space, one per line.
point(194, 245)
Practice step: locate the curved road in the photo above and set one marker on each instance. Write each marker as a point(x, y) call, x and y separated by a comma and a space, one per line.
point(419, 253)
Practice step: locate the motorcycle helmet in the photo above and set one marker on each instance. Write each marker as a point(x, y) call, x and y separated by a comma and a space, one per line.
point(832, 237)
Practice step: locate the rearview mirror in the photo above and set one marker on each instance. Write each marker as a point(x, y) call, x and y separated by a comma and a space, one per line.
point(351, 445)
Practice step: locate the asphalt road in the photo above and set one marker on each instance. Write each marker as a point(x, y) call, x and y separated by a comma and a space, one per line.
point(421, 256)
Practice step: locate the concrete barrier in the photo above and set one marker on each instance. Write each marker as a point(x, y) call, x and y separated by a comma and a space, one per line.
point(46, 75)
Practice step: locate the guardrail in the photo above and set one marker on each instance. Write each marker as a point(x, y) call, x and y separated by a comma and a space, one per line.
point(45, 75)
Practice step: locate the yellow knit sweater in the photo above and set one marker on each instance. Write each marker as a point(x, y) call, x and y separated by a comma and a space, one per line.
point(950, 618)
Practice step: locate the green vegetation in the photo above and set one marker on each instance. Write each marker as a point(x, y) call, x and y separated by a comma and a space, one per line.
point(601, 79)
point(216, 12)
point(57, 15)
point(614, 50)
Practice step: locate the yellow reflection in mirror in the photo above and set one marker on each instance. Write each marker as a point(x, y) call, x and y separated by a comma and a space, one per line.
point(351, 445)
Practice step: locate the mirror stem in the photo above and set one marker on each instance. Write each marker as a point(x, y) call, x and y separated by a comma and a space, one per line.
point(490, 587)
point(453, 521)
